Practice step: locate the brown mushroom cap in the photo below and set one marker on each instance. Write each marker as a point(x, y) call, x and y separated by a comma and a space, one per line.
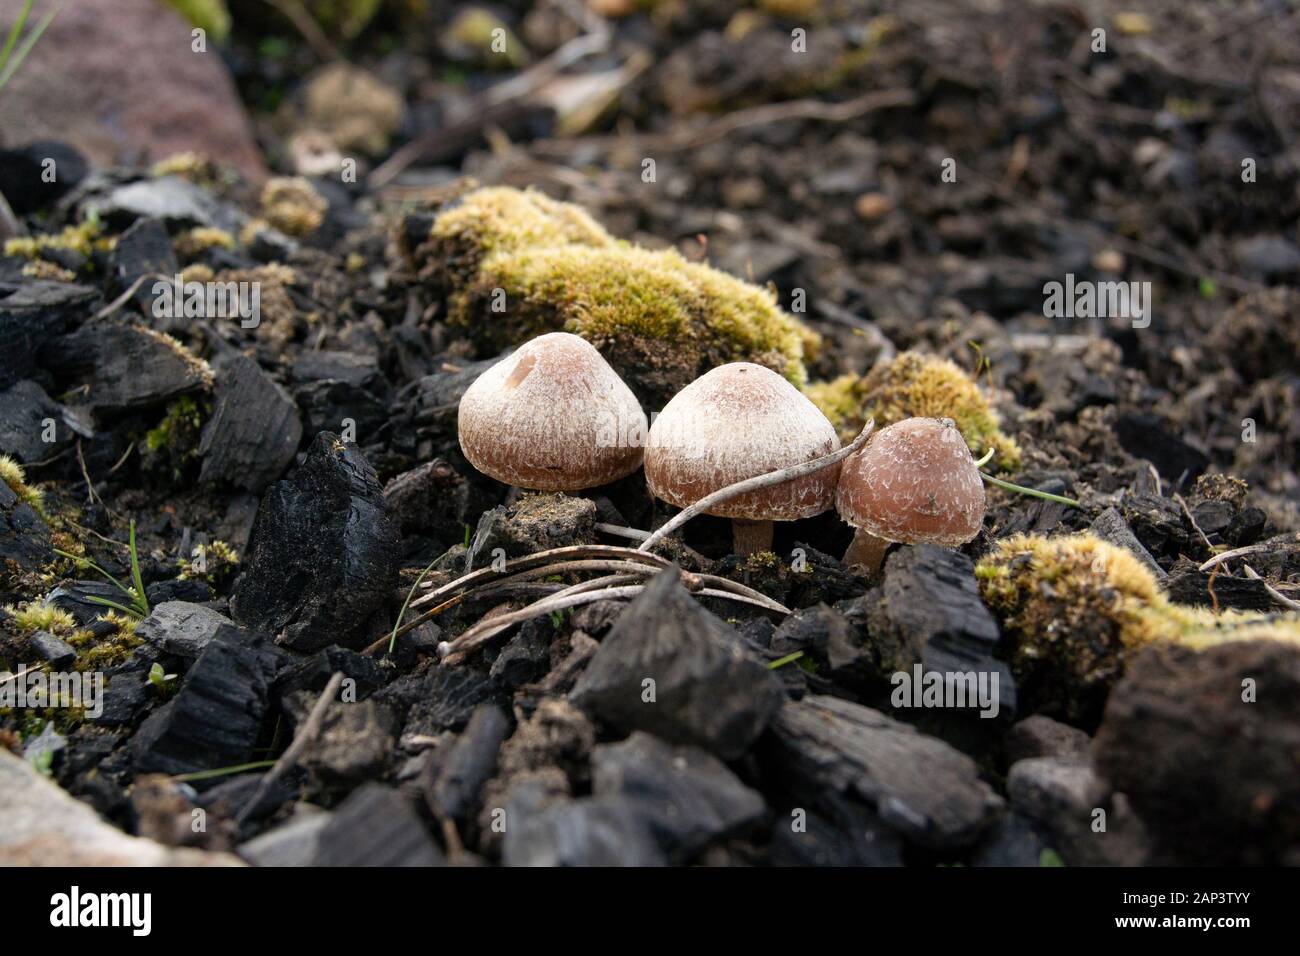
point(552, 416)
point(914, 482)
point(735, 422)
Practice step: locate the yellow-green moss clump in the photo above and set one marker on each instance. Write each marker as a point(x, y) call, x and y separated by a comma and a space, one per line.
point(516, 264)
point(12, 474)
point(100, 654)
point(1075, 609)
point(292, 205)
point(915, 385)
point(214, 563)
point(83, 238)
point(33, 616)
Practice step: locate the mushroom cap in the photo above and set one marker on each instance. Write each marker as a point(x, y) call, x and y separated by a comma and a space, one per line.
point(736, 422)
point(914, 482)
point(552, 416)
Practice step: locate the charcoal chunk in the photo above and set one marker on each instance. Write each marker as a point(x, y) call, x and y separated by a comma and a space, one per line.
point(542, 830)
point(1143, 436)
point(24, 179)
point(928, 611)
point(323, 555)
point(1187, 584)
point(24, 537)
point(25, 410)
point(921, 787)
point(33, 315)
point(314, 672)
point(472, 762)
point(1204, 744)
point(441, 699)
point(1110, 527)
point(54, 651)
point(435, 499)
point(526, 657)
point(1041, 736)
point(126, 366)
point(375, 826)
point(254, 430)
point(216, 716)
point(846, 834)
point(686, 797)
point(706, 689)
point(144, 249)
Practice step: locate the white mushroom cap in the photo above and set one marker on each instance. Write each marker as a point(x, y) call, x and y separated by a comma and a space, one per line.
point(914, 482)
point(736, 422)
point(552, 416)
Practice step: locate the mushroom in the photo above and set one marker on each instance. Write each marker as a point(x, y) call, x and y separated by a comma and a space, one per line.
point(552, 416)
point(914, 482)
point(735, 422)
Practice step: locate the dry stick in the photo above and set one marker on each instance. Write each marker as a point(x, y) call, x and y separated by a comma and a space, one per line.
point(1273, 592)
point(482, 575)
point(453, 652)
point(780, 476)
point(303, 739)
point(1250, 549)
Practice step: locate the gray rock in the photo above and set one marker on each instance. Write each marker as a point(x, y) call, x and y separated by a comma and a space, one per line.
point(1111, 527)
point(596, 831)
point(57, 653)
point(706, 689)
point(177, 202)
point(375, 826)
point(1040, 736)
point(42, 825)
point(181, 629)
point(1071, 803)
point(920, 786)
point(290, 844)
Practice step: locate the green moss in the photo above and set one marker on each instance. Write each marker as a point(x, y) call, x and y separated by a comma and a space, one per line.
point(13, 475)
point(914, 385)
point(214, 563)
point(517, 264)
point(103, 653)
point(292, 205)
point(1075, 609)
point(173, 444)
point(34, 616)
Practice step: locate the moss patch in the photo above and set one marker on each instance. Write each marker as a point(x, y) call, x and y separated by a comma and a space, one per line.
point(84, 239)
point(1075, 609)
point(292, 205)
point(914, 385)
point(13, 475)
point(517, 264)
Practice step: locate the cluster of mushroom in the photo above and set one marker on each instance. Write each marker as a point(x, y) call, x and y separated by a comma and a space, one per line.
point(554, 416)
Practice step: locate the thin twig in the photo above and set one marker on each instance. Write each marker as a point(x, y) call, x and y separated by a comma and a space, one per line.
point(302, 740)
point(1273, 592)
point(1269, 545)
point(780, 476)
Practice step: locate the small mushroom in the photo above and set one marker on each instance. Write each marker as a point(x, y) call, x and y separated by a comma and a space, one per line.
point(552, 416)
point(735, 422)
point(914, 482)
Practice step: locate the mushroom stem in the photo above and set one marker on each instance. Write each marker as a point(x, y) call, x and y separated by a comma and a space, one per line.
point(866, 551)
point(753, 484)
point(750, 537)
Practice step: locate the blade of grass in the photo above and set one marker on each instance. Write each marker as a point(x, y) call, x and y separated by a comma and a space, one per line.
point(15, 32)
point(782, 661)
point(29, 41)
point(91, 564)
point(407, 603)
point(223, 771)
point(140, 599)
point(129, 611)
point(1032, 492)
